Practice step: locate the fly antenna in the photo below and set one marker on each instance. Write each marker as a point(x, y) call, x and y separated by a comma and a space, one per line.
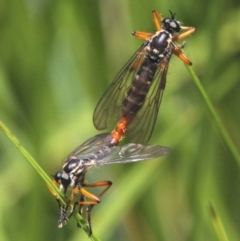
point(172, 14)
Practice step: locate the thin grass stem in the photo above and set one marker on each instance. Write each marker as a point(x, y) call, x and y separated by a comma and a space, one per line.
point(43, 174)
point(219, 124)
point(217, 223)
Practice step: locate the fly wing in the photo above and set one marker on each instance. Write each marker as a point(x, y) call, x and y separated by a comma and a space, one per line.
point(141, 128)
point(92, 145)
point(133, 153)
point(109, 108)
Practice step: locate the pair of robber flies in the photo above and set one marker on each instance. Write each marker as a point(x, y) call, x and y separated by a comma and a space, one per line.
point(133, 98)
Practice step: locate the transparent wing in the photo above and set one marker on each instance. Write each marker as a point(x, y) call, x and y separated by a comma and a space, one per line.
point(97, 151)
point(92, 145)
point(141, 128)
point(110, 105)
point(132, 153)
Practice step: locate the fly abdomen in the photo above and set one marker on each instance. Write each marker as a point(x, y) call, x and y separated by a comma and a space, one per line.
point(101, 153)
point(139, 88)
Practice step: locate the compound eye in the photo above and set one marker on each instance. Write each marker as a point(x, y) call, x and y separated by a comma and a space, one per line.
point(58, 177)
point(171, 25)
point(62, 178)
point(175, 26)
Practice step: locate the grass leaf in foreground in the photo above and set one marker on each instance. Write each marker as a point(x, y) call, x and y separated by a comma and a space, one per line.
point(43, 174)
point(218, 226)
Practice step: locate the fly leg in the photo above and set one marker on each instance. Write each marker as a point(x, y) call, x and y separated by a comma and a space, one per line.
point(62, 208)
point(177, 50)
point(94, 199)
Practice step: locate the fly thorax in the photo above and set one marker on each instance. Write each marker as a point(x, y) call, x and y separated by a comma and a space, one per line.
point(77, 174)
point(158, 46)
point(74, 167)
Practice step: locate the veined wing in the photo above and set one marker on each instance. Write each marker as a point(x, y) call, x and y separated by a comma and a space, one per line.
point(133, 153)
point(109, 108)
point(142, 125)
point(110, 105)
point(92, 145)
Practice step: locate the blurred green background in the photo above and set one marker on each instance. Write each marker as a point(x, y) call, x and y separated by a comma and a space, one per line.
point(56, 60)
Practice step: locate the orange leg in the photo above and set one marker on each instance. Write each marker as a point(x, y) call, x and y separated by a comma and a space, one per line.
point(92, 202)
point(84, 194)
point(142, 35)
point(64, 209)
point(187, 32)
point(156, 17)
point(178, 52)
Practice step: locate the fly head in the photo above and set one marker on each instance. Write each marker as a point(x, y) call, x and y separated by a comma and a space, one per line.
point(171, 25)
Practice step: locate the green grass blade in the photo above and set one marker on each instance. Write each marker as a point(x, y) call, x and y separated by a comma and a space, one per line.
point(43, 174)
point(30, 159)
point(219, 124)
point(218, 226)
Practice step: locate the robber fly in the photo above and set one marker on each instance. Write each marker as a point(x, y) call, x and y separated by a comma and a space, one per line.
point(135, 95)
point(97, 151)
